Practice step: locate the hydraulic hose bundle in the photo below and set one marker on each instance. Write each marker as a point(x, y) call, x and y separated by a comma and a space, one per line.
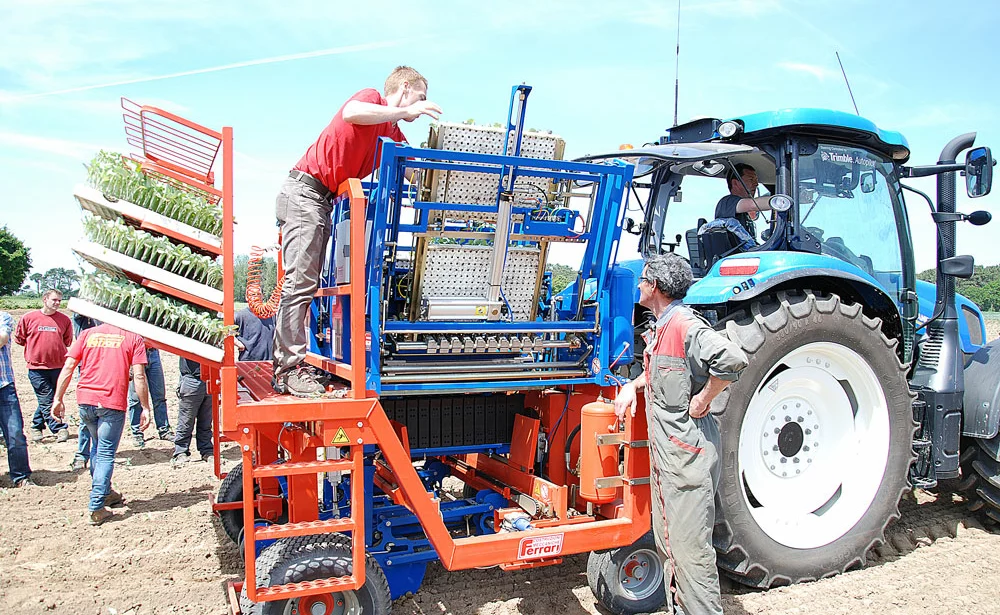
point(255, 295)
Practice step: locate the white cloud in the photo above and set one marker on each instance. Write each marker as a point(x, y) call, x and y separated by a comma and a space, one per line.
point(61, 147)
point(820, 72)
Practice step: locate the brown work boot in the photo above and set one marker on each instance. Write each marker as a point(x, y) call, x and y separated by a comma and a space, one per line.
point(114, 499)
point(100, 515)
point(300, 382)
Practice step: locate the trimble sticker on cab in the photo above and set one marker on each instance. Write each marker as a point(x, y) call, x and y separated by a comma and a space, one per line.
point(538, 547)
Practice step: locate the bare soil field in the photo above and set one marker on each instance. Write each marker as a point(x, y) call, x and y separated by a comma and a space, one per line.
point(165, 553)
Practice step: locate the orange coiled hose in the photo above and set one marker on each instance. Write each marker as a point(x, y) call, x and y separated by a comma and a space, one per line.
point(255, 296)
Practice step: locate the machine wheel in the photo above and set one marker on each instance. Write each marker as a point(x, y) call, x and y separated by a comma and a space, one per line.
point(306, 558)
point(816, 441)
point(628, 579)
point(981, 479)
point(231, 490)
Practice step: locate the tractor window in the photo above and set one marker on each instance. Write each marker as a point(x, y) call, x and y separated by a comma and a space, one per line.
point(846, 201)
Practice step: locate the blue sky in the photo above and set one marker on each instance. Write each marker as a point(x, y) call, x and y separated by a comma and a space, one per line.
point(603, 74)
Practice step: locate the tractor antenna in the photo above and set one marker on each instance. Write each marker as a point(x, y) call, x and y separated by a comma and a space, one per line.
point(677, 61)
point(844, 73)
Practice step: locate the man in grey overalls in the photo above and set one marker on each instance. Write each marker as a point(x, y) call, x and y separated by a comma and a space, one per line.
point(686, 365)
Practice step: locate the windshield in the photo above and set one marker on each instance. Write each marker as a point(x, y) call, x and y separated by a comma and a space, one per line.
point(848, 200)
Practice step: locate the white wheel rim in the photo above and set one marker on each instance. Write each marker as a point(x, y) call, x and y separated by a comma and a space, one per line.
point(832, 450)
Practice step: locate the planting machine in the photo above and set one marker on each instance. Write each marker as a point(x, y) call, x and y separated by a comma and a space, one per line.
point(467, 419)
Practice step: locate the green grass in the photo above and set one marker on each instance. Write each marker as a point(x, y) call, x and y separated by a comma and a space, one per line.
point(20, 303)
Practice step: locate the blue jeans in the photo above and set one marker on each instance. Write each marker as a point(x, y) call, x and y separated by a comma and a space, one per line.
point(157, 396)
point(105, 427)
point(12, 425)
point(44, 382)
point(83, 443)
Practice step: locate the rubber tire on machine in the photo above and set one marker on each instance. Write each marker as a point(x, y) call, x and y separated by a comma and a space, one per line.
point(774, 330)
point(981, 480)
point(231, 490)
point(306, 558)
point(604, 569)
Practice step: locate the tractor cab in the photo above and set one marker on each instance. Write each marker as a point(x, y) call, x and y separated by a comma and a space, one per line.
point(835, 209)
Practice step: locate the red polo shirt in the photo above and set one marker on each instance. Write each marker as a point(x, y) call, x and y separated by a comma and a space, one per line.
point(344, 150)
point(106, 354)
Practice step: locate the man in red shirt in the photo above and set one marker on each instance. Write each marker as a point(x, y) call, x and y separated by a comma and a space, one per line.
point(345, 149)
point(106, 355)
point(45, 335)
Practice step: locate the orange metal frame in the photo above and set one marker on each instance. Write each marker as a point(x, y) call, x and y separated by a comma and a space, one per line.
point(272, 428)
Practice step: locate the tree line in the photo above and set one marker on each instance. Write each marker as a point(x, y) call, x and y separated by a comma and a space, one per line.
point(983, 288)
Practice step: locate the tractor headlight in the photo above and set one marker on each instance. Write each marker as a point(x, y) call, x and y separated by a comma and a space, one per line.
point(727, 130)
point(780, 202)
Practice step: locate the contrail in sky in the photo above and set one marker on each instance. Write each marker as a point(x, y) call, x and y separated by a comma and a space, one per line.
point(213, 69)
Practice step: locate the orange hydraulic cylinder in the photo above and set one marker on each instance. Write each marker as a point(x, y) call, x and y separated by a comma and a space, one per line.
point(596, 462)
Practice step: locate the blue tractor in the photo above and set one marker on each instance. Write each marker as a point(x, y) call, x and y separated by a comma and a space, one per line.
point(863, 381)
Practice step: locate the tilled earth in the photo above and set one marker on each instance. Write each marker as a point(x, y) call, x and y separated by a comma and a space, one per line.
point(165, 553)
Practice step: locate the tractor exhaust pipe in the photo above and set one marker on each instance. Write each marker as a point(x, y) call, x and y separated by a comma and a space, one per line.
point(939, 378)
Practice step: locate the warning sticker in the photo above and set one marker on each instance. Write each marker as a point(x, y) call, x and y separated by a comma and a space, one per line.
point(538, 547)
point(480, 310)
point(341, 437)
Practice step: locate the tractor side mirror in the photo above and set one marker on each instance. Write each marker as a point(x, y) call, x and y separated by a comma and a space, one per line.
point(958, 266)
point(868, 182)
point(978, 172)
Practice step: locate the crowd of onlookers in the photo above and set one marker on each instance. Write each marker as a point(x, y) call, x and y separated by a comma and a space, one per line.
point(118, 380)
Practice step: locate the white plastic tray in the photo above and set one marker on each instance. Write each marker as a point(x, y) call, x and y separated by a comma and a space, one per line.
point(113, 262)
point(93, 201)
point(146, 330)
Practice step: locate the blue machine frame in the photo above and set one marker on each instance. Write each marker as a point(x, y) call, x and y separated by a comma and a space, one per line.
point(603, 318)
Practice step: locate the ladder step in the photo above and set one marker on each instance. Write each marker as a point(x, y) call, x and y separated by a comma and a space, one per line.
point(303, 467)
point(304, 528)
point(306, 588)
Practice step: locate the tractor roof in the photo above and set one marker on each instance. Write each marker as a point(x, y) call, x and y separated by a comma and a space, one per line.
point(826, 122)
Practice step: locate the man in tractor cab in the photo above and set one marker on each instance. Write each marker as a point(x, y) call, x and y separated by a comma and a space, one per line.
point(345, 149)
point(741, 204)
point(686, 365)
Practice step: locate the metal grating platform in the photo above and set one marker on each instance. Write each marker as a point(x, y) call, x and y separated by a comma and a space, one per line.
point(481, 188)
point(463, 271)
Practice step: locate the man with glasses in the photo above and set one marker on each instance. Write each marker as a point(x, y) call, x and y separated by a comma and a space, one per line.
point(45, 335)
point(686, 365)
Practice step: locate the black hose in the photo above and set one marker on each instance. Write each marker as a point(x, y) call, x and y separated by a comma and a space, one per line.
point(569, 443)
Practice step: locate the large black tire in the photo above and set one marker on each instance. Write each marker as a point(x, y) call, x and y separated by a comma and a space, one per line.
point(231, 490)
point(981, 477)
point(306, 558)
point(781, 538)
point(628, 580)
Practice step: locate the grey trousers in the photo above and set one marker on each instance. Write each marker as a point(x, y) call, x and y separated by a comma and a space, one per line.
point(304, 217)
point(686, 477)
point(194, 414)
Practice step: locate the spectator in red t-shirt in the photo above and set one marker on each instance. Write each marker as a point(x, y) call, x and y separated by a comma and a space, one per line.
point(345, 149)
point(106, 355)
point(45, 335)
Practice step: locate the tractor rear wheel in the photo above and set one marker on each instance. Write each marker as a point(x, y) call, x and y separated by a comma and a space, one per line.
point(981, 477)
point(816, 441)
